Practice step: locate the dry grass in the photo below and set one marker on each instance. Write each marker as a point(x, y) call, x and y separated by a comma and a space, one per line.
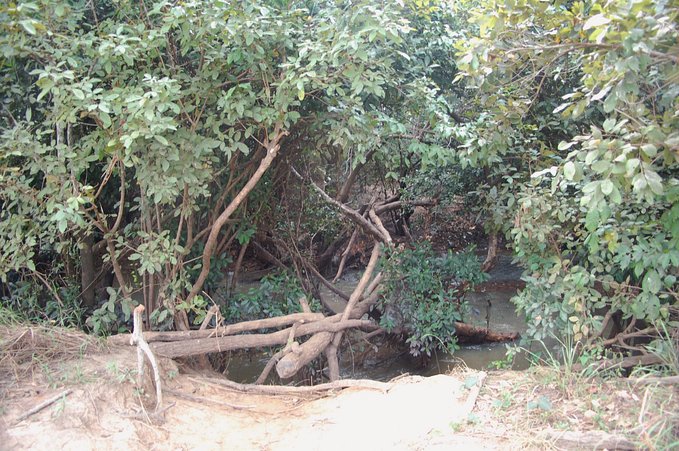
point(24, 347)
point(544, 400)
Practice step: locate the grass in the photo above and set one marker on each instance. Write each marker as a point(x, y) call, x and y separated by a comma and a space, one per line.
point(544, 398)
point(30, 349)
point(561, 391)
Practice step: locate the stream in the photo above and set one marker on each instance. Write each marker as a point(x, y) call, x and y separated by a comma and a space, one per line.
point(503, 284)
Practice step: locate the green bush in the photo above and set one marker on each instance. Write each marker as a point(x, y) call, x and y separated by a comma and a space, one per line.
point(424, 295)
point(277, 295)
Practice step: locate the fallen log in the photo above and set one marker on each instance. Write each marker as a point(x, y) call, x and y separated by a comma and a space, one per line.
point(469, 334)
point(189, 347)
point(309, 350)
point(232, 329)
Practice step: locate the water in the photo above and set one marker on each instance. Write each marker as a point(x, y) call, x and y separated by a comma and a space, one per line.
point(356, 363)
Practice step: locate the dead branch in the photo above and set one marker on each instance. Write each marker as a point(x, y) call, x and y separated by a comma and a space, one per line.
point(277, 356)
point(378, 223)
point(352, 214)
point(44, 404)
point(331, 353)
point(213, 311)
point(232, 329)
point(309, 350)
point(469, 334)
point(325, 281)
point(395, 204)
point(345, 255)
point(144, 349)
point(190, 347)
point(627, 362)
point(666, 380)
point(626, 335)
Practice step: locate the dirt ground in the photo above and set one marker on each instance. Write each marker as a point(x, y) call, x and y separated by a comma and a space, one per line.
point(466, 410)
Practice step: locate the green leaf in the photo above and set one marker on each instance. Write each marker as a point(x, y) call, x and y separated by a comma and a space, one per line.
point(161, 139)
point(569, 170)
point(609, 124)
point(28, 26)
point(592, 220)
point(652, 282)
point(650, 150)
point(105, 119)
point(564, 145)
point(596, 21)
point(610, 102)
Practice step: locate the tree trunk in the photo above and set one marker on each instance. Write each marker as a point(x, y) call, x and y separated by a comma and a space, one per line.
point(87, 274)
point(272, 147)
point(491, 256)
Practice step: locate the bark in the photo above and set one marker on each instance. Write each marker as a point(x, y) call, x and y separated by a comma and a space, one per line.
point(345, 255)
point(381, 208)
point(352, 214)
point(378, 223)
point(343, 195)
point(236, 268)
point(291, 346)
point(309, 350)
point(331, 352)
point(191, 347)
point(267, 256)
point(246, 326)
point(325, 258)
point(143, 349)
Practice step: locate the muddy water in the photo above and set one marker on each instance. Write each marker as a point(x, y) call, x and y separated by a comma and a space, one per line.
point(489, 306)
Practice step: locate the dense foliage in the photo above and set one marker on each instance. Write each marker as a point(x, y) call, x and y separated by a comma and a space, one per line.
point(579, 113)
point(158, 143)
point(129, 128)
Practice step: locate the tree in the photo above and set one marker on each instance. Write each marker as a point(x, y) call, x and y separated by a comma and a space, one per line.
point(576, 108)
point(146, 139)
